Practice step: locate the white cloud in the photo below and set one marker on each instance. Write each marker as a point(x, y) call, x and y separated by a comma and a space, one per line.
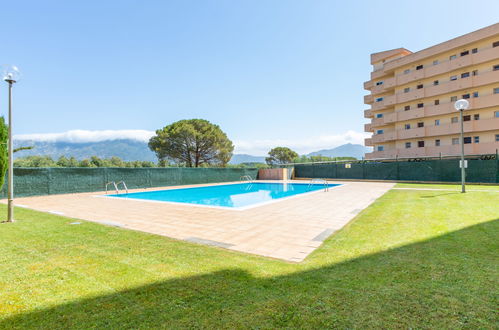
point(300, 145)
point(252, 147)
point(82, 136)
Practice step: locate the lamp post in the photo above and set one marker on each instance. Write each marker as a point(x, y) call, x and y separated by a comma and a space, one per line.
point(11, 75)
point(460, 106)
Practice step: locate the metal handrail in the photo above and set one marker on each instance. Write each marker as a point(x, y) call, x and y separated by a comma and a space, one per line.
point(124, 186)
point(324, 181)
point(114, 184)
point(246, 178)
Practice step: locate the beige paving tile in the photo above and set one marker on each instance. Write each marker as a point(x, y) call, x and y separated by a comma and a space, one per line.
point(289, 229)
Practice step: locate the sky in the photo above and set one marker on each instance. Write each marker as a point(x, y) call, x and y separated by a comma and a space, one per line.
point(269, 72)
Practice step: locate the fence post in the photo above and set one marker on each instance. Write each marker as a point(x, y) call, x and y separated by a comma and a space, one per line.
point(397, 168)
point(49, 180)
point(497, 166)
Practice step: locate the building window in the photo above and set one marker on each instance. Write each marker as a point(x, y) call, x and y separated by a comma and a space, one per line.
point(381, 148)
point(497, 137)
point(452, 78)
point(419, 67)
point(453, 98)
point(467, 139)
point(420, 144)
point(452, 57)
point(475, 94)
point(453, 120)
point(435, 62)
point(437, 102)
point(495, 44)
point(420, 86)
point(420, 105)
point(421, 124)
point(467, 118)
point(379, 115)
point(435, 83)
point(495, 67)
point(466, 52)
point(407, 145)
point(474, 50)
point(407, 107)
point(474, 72)
point(407, 126)
point(465, 75)
point(496, 114)
point(437, 122)
point(407, 90)
point(379, 83)
point(437, 143)
point(406, 71)
point(476, 139)
point(466, 96)
point(455, 141)
point(496, 90)
point(476, 116)
point(380, 131)
point(379, 99)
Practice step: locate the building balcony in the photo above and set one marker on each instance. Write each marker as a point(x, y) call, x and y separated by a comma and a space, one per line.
point(368, 99)
point(432, 151)
point(368, 128)
point(376, 122)
point(368, 113)
point(387, 136)
point(413, 133)
point(469, 127)
point(483, 56)
point(402, 79)
point(368, 142)
point(410, 96)
point(388, 84)
point(388, 100)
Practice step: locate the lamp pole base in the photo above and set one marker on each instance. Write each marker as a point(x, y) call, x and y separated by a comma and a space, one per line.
point(10, 212)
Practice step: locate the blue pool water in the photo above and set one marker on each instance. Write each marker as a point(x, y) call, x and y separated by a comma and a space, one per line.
point(228, 195)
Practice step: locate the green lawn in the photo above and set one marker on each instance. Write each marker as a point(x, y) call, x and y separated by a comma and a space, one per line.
point(456, 187)
point(414, 259)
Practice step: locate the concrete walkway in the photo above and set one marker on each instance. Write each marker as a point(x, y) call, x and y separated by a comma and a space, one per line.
point(289, 229)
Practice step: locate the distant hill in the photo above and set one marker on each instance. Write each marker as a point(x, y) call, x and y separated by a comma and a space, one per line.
point(126, 149)
point(130, 150)
point(346, 150)
point(243, 158)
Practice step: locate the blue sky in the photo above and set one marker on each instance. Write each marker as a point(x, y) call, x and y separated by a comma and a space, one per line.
point(268, 72)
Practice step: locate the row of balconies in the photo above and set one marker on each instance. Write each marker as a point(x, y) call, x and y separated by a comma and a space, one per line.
point(433, 151)
point(444, 129)
point(431, 91)
point(431, 110)
point(482, 56)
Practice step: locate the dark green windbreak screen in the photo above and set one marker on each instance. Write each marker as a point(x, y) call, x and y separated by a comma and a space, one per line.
point(438, 170)
point(47, 181)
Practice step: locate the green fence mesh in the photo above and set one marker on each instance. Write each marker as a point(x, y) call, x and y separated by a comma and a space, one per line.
point(47, 181)
point(436, 170)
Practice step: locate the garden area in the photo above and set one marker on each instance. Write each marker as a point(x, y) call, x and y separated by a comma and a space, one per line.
point(414, 258)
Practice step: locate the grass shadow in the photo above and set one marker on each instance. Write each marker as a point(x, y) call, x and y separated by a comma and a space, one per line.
point(444, 282)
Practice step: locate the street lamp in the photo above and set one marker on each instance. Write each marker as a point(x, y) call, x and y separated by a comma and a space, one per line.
point(11, 75)
point(460, 106)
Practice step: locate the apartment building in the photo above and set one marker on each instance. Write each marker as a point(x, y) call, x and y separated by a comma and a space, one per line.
point(412, 98)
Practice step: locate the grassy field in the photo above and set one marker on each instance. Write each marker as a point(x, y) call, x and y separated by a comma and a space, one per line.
point(414, 259)
point(456, 187)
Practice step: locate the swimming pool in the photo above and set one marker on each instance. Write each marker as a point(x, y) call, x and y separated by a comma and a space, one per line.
point(233, 196)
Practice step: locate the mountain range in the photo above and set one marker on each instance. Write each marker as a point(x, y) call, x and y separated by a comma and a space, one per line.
point(130, 150)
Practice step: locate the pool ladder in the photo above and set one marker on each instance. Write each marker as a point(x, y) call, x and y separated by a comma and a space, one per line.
point(116, 186)
point(246, 178)
point(323, 181)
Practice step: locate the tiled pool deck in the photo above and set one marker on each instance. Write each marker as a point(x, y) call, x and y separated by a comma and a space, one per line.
point(288, 229)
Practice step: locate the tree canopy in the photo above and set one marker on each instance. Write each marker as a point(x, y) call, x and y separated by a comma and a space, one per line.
point(281, 155)
point(193, 143)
